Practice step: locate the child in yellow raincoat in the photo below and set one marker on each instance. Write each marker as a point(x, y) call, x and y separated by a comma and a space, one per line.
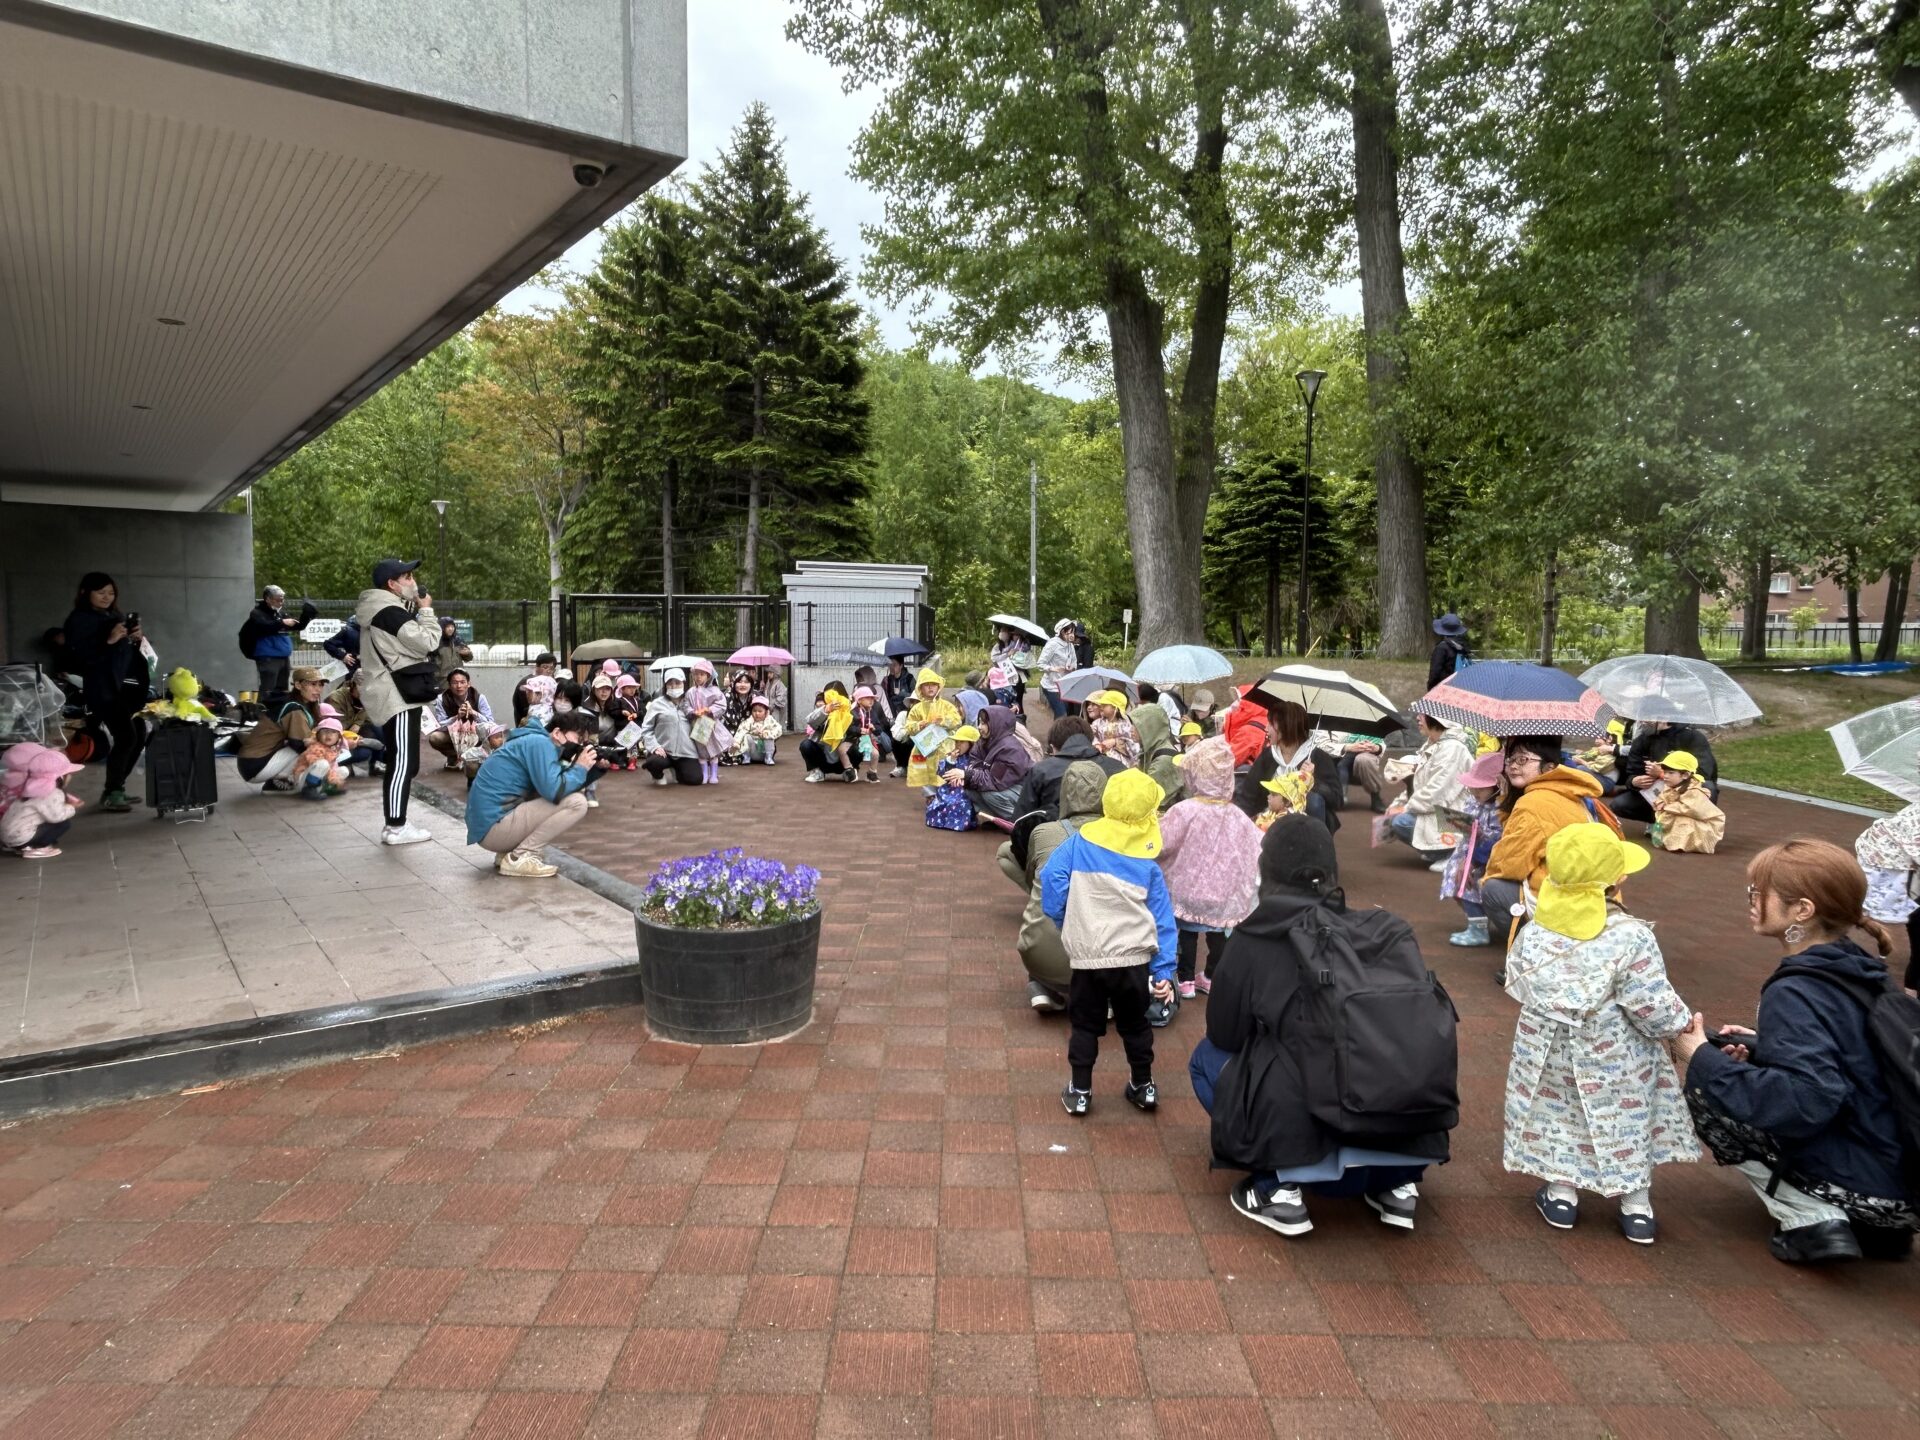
point(929, 710)
point(1685, 818)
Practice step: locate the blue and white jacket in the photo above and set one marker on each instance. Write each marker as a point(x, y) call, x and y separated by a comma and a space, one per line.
point(1112, 909)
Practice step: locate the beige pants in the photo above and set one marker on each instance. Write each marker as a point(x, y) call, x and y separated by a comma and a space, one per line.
point(534, 824)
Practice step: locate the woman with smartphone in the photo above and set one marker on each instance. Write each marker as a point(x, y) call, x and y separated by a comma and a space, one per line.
point(106, 645)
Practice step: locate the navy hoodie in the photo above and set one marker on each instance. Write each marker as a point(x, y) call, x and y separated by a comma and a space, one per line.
point(1814, 1082)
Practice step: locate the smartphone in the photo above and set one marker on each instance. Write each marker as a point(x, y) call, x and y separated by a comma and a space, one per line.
point(1723, 1039)
point(133, 620)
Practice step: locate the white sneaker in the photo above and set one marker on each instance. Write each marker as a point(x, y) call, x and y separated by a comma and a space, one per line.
point(814, 777)
point(661, 778)
point(526, 865)
point(1439, 867)
point(592, 804)
point(404, 835)
point(897, 773)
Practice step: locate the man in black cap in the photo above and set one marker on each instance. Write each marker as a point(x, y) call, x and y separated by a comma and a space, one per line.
point(399, 635)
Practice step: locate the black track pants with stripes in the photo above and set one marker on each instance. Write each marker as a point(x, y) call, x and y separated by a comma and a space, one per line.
point(402, 736)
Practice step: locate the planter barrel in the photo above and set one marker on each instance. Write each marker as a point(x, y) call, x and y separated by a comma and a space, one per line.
point(728, 987)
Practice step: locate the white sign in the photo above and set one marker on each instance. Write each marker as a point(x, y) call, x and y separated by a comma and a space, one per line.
point(1126, 617)
point(321, 631)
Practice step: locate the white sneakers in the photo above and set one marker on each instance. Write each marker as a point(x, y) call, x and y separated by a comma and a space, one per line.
point(525, 865)
point(404, 835)
point(814, 777)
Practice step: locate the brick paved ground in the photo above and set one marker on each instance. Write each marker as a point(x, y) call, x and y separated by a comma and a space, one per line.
point(887, 1227)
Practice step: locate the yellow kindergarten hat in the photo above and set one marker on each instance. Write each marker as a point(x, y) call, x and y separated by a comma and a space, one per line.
point(1129, 822)
point(965, 732)
point(1191, 728)
point(1292, 786)
point(1583, 863)
point(1110, 697)
point(1617, 729)
point(1679, 760)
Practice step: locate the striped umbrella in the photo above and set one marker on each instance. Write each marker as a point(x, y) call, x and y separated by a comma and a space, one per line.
point(1510, 697)
point(1333, 699)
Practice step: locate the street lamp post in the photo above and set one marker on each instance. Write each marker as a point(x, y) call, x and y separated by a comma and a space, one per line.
point(1309, 383)
point(1033, 540)
point(440, 509)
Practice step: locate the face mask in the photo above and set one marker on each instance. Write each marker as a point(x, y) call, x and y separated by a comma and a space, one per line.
point(674, 691)
point(562, 707)
point(409, 588)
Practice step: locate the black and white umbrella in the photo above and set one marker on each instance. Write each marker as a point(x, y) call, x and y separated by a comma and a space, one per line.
point(1333, 699)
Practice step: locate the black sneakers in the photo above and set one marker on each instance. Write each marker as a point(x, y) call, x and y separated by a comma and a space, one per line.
point(1040, 997)
point(1143, 1096)
point(1078, 1102)
point(1283, 1210)
point(1821, 1244)
point(1160, 1013)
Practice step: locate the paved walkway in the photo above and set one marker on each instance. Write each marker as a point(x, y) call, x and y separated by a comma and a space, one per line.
point(273, 904)
point(887, 1227)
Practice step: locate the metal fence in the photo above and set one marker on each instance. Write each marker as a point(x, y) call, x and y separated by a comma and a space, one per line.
point(816, 631)
point(713, 626)
point(501, 632)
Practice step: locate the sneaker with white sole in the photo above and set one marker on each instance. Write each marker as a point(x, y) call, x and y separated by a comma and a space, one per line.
point(1439, 867)
point(592, 804)
point(1282, 1210)
point(814, 777)
point(897, 773)
point(39, 852)
point(1395, 1207)
point(1040, 997)
point(404, 835)
point(526, 865)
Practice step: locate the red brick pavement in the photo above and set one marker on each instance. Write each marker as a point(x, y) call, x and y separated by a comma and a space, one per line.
point(886, 1226)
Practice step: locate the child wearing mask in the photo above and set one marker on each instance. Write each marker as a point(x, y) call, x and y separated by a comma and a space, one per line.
point(704, 706)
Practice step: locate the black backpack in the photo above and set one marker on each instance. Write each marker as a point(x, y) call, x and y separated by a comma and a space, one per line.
point(1367, 1040)
point(1893, 1033)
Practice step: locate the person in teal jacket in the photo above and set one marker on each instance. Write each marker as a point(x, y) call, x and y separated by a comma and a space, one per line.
point(1104, 889)
point(525, 796)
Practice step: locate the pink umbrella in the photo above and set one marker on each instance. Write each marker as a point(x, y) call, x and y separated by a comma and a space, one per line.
point(760, 655)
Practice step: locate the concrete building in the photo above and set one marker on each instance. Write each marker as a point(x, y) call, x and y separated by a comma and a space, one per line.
point(223, 225)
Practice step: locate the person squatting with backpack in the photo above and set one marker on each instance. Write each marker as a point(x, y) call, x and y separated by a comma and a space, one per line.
point(1818, 1105)
point(1330, 1061)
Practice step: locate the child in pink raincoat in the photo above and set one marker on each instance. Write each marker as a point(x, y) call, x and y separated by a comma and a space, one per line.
point(35, 809)
point(1210, 854)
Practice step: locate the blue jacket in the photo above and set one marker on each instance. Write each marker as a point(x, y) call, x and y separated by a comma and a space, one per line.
point(526, 766)
point(1112, 909)
point(268, 637)
point(1814, 1082)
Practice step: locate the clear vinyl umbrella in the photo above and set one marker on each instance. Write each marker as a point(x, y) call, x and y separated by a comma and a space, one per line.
point(1672, 688)
point(1182, 665)
point(1882, 747)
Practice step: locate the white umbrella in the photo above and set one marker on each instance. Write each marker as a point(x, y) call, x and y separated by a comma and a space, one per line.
point(1671, 688)
point(1025, 627)
point(1081, 685)
point(1882, 747)
point(682, 663)
point(1182, 665)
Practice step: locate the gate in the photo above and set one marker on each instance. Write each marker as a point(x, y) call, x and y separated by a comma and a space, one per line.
point(708, 625)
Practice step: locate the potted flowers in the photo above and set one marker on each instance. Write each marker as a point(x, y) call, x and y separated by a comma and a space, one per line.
point(728, 944)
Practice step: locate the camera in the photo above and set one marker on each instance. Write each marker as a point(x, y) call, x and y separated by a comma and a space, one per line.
point(588, 173)
point(570, 752)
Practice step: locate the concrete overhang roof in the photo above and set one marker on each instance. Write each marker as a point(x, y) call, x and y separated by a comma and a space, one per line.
point(207, 257)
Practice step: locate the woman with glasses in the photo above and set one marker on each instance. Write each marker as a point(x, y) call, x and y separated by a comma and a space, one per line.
point(1544, 796)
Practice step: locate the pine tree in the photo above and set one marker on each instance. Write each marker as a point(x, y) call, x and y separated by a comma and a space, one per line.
point(782, 342)
point(1252, 556)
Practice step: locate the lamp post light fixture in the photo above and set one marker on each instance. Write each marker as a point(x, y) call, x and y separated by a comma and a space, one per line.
point(1309, 383)
point(440, 509)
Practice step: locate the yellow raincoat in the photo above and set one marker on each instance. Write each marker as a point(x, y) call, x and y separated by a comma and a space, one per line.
point(925, 769)
point(839, 717)
point(1689, 820)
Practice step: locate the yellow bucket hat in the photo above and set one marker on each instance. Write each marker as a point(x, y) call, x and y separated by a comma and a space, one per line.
point(1583, 863)
point(965, 732)
point(1113, 698)
point(1486, 743)
point(1190, 728)
point(1292, 786)
point(1679, 760)
point(1129, 822)
point(1617, 729)
point(929, 676)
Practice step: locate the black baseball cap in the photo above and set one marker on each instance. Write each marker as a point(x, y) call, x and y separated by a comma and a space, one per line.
point(391, 569)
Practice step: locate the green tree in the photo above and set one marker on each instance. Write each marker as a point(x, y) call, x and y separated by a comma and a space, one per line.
point(1253, 551)
point(1044, 164)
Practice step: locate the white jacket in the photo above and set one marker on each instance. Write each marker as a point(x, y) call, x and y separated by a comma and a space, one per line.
point(391, 638)
point(1439, 803)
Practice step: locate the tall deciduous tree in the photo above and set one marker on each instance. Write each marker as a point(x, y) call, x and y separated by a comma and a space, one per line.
point(1046, 163)
point(784, 350)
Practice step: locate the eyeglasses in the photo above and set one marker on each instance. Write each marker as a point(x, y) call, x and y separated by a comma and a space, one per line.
point(1521, 760)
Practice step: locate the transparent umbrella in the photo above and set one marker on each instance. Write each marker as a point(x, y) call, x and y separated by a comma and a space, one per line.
point(1182, 665)
point(1672, 688)
point(1882, 747)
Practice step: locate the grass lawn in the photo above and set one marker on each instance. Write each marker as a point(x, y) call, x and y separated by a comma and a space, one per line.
point(1803, 761)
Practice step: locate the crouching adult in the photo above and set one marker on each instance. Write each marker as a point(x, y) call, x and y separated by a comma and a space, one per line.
point(1801, 1105)
point(1300, 1102)
point(528, 794)
point(1023, 858)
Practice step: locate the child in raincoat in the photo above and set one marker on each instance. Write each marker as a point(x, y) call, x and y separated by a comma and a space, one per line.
point(1286, 793)
point(319, 769)
point(1210, 853)
point(1191, 734)
point(1113, 732)
point(930, 713)
point(1685, 819)
point(826, 732)
point(1593, 1101)
point(755, 741)
point(704, 705)
point(1467, 866)
point(35, 809)
point(860, 744)
point(950, 807)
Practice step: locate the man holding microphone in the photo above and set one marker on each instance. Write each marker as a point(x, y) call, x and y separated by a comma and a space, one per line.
point(399, 634)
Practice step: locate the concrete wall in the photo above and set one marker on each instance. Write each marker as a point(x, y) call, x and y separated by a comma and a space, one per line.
point(612, 69)
point(190, 577)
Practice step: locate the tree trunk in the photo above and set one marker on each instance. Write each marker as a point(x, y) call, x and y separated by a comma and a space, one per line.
point(1273, 598)
point(1899, 578)
point(750, 551)
point(1166, 572)
point(1753, 642)
point(556, 528)
point(1853, 610)
point(1383, 306)
point(668, 484)
point(1903, 25)
point(1550, 608)
point(1673, 621)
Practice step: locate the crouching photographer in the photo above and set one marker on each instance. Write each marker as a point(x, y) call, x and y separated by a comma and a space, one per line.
point(528, 793)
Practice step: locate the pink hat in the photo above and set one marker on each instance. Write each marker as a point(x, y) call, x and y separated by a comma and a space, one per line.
point(610, 667)
point(759, 700)
point(1484, 773)
point(43, 772)
point(863, 692)
point(541, 685)
point(13, 779)
point(626, 682)
point(327, 712)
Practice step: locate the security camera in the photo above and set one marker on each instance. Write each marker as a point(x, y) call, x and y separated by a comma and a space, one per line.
point(587, 173)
